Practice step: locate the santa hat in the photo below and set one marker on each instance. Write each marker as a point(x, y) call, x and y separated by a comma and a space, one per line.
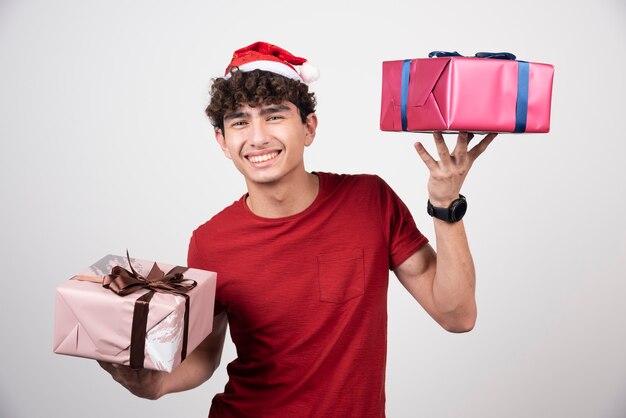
point(268, 57)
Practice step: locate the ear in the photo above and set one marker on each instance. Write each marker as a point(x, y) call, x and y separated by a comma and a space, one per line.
point(311, 126)
point(219, 137)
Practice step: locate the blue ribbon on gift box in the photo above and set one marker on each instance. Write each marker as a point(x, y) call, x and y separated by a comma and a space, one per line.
point(523, 75)
point(404, 92)
point(521, 106)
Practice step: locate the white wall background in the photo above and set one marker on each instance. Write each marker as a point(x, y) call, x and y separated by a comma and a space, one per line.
point(104, 146)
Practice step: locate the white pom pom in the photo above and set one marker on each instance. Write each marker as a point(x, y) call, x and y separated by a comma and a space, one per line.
point(309, 73)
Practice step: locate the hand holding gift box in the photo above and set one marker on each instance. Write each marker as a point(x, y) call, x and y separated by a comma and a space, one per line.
point(132, 312)
point(490, 92)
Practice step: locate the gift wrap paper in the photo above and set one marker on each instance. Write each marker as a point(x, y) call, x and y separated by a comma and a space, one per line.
point(471, 94)
point(94, 322)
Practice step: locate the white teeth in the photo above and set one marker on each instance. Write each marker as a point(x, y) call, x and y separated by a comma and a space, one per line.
point(261, 158)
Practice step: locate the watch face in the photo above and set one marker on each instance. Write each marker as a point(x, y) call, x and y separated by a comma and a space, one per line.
point(458, 210)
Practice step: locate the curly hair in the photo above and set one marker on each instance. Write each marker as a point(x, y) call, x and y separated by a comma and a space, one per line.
point(256, 88)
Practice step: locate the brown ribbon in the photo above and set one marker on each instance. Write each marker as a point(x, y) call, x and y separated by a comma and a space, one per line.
point(124, 282)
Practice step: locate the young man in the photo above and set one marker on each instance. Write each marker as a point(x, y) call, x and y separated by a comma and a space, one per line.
point(303, 258)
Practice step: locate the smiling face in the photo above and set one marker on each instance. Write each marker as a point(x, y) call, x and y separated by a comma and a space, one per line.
point(266, 143)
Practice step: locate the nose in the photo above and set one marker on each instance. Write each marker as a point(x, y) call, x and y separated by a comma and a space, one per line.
point(259, 134)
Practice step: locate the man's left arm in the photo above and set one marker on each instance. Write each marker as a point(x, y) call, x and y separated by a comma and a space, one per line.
point(444, 282)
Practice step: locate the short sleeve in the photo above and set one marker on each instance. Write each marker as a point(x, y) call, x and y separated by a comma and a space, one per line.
point(402, 235)
point(196, 261)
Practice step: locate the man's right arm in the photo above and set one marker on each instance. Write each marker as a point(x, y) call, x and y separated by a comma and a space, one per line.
point(197, 368)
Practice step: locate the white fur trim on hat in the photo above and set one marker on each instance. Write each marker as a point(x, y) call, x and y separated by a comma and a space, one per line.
point(271, 66)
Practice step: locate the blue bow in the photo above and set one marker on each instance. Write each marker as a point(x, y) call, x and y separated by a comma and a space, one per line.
point(492, 55)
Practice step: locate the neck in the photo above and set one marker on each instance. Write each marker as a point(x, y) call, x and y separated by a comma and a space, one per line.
point(281, 199)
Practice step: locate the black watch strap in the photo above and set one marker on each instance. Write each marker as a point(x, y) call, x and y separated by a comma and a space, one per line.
point(452, 213)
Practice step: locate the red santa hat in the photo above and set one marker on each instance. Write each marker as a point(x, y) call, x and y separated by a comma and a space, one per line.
point(268, 57)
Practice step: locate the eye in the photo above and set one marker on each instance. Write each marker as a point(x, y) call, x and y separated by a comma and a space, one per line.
point(238, 123)
point(275, 117)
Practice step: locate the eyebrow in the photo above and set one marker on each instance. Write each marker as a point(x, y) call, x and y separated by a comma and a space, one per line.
point(264, 111)
point(274, 109)
point(235, 115)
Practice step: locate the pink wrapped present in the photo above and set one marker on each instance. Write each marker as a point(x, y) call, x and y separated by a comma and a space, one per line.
point(451, 93)
point(142, 315)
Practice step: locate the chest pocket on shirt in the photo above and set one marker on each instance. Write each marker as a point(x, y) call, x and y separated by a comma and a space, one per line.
point(341, 275)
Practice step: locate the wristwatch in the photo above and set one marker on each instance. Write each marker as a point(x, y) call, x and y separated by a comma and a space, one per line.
point(452, 213)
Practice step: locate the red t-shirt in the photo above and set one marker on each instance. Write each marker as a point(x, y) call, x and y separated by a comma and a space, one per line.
point(306, 299)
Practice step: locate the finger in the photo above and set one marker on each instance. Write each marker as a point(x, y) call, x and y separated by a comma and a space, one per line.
point(481, 146)
point(425, 156)
point(442, 149)
point(109, 367)
point(115, 370)
point(462, 142)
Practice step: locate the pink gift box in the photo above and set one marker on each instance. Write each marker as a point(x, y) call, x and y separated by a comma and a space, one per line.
point(452, 94)
point(94, 322)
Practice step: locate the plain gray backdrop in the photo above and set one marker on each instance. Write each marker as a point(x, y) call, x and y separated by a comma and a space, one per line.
point(105, 146)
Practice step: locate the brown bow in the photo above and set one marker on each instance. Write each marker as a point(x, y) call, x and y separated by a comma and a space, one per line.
point(124, 282)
